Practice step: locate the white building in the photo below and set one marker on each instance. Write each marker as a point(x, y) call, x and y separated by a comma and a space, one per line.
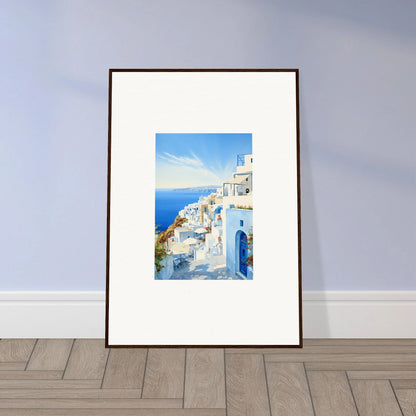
point(183, 233)
point(237, 192)
point(191, 213)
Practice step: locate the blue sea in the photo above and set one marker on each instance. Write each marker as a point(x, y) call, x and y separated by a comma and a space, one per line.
point(169, 203)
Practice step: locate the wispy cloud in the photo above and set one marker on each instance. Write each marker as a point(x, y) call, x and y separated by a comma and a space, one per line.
point(192, 161)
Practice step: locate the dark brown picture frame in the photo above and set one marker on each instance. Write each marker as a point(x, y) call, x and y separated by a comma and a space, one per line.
point(111, 71)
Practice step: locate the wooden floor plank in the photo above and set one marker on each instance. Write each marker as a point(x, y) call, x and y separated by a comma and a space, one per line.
point(16, 349)
point(77, 393)
point(125, 368)
point(376, 366)
point(112, 412)
point(329, 349)
point(12, 366)
point(355, 358)
point(205, 378)
point(50, 384)
point(87, 360)
point(246, 385)
point(288, 390)
point(331, 393)
point(379, 375)
point(164, 376)
point(90, 403)
point(404, 384)
point(407, 401)
point(30, 375)
point(50, 354)
point(375, 398)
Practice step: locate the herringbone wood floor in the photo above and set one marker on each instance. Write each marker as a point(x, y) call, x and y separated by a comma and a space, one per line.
point(326, 378)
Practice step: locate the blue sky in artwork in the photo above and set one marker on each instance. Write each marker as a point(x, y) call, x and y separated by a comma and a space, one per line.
point(198, 159)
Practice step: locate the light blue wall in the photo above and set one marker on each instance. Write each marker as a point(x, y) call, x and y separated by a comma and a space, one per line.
point(234, 216)
point(357, 63)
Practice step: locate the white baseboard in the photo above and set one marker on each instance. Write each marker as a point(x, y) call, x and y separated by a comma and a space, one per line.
point(52, 314)
point(329, 314)
point(359, 314)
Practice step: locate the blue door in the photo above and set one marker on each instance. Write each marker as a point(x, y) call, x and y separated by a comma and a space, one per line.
point(243, 254)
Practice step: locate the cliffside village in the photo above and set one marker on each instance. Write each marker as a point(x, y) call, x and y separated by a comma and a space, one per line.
point(213, 237)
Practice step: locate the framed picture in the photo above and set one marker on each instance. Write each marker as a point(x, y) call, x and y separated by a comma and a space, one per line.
point(203, 221)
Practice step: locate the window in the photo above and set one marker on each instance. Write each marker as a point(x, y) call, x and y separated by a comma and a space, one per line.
point(241, 223)
point(251, 160)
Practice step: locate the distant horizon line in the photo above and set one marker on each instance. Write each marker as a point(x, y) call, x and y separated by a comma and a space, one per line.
point(188, 187)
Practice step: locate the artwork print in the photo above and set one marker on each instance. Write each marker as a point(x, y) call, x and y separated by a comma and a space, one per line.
point(203, 186)
point(204, 206)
